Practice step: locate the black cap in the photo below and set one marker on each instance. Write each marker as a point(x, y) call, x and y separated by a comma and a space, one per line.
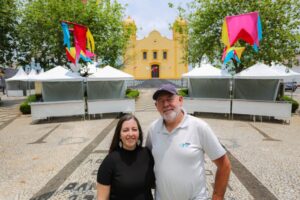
point(164, 88)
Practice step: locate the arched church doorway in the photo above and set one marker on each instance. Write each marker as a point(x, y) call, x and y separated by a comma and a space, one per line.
point(155, 71)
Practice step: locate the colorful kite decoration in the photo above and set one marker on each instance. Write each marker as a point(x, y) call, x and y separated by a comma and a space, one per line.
point(246, 27)
point(83, 40)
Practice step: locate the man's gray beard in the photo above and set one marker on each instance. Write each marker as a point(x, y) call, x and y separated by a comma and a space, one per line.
point(172, 115)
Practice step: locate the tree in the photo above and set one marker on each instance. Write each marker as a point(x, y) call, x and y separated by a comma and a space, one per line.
point(8, 22)
point(280, 25)
point(41, 36)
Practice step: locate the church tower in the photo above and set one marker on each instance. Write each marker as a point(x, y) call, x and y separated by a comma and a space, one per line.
point(129, 58)
point(180, 39)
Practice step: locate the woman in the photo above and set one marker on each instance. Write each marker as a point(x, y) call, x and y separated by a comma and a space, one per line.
point(126, 173)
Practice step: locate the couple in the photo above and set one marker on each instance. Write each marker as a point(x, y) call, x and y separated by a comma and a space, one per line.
point(177, 142)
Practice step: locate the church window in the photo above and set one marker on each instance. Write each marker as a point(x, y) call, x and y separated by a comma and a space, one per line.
point(145, 55)
point(154, 55)
point(165, 55)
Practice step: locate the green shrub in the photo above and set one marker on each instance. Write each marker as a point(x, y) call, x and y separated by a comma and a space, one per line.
point(25, 107)
point(128, 90)
point(295, 104)
point(31, 98)
point(132, 94)
point(183, 92)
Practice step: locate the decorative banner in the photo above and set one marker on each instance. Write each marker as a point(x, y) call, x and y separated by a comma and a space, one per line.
point(246, 27)
point(83, 40)
point(232, 53)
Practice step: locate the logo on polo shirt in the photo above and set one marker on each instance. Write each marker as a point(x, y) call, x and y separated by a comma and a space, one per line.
point(185, 145)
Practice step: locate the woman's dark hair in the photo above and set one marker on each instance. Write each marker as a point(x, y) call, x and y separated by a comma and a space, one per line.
point(116, 139)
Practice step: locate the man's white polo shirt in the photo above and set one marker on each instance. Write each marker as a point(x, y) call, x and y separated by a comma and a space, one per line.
point(179, 158)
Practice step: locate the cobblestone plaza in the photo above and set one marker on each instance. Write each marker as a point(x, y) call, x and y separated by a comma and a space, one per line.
point(59, 159)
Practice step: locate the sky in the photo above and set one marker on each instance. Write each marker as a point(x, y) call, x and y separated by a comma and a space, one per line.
point(153, 15)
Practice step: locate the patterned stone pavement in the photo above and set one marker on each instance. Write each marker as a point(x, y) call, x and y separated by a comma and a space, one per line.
point(59, 159)
point(9, 109)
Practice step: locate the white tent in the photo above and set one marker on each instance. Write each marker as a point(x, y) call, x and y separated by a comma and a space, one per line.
point(259, 71)
point(207, 71)
point(255, 92)
point(208, 82)
point(16, 85)
point(106, 90)
point(58, 73)
point(19, 76)
point(290, 75)
point(297, 70)
point(32, 75)
point(258, 82)
point(109, 73)
point(107, 83)
point(209, 90)
point(62, 92)
point(30, 81)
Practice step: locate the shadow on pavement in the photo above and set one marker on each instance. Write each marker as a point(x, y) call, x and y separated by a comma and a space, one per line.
point(77, 118)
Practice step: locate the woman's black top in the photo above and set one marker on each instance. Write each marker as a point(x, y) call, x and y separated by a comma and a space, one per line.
point(129, 174)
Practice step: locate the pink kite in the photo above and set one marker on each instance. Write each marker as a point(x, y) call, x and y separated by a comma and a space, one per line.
point(246, 27)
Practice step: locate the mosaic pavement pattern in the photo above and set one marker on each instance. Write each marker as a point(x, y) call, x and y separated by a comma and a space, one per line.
point(59, 159)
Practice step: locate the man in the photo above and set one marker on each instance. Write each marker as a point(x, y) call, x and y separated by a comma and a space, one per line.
point(178, 142)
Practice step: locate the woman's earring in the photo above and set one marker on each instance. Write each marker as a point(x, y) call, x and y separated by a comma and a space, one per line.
point(138, 142)
point(120, 144)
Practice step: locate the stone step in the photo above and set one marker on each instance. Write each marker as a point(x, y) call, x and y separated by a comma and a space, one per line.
point(145, 101)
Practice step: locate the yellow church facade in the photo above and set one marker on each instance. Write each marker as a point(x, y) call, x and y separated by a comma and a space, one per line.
point(156, 56)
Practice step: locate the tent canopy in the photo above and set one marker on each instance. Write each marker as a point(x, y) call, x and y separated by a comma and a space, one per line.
point(58, 74)
point(17, 85)
point(109, 73)
point(32, 75)
point(206, 71)
point(20, 76)
point(259, 71)
point(290, 75)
